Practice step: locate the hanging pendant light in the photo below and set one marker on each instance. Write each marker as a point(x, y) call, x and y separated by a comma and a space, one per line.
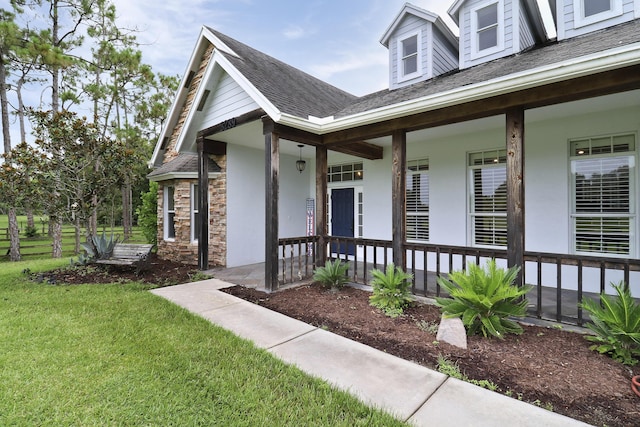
point(300, 164)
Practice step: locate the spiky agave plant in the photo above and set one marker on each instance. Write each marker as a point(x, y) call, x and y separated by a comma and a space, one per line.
point(485, 299)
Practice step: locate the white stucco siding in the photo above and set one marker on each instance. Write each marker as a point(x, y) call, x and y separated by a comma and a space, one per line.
point(246, 203)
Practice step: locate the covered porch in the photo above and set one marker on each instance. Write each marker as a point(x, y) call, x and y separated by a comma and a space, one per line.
point(556, 299)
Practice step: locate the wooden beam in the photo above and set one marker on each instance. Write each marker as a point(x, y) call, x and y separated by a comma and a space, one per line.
point(361, 149)
point(599, 84)
point(515, 189)
point(272, 170)
point(321, 204)
point(398, 197)
point(242, 119)
point(203, 201)
point(218, 148)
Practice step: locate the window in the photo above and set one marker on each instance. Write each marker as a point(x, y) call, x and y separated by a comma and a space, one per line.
point(417, 200)
point(488, 198)
point(603, 202)
point(360, 212)
point(348, 172)
point(486, 29)
point(409, 55)
point(169, 212)
point(591, 11)
point(195, 210)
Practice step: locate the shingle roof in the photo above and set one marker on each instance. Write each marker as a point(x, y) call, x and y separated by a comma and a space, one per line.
point(289, 89)
point(297, 93)
point(183, 163)
point(576, 47)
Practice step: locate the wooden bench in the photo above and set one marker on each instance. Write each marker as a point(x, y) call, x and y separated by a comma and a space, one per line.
point(129, 254)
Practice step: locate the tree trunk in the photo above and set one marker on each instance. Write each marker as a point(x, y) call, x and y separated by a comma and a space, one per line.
point(56, 229)
point(23, 132)
point(4, 106)
point(14, 236)
point(30, 222)
point(78, 232)
point(127, 219)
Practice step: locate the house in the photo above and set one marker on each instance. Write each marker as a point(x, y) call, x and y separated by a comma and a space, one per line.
point(433, 172)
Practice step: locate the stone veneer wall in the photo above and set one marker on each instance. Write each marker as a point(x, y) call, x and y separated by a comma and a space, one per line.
point(181, 248)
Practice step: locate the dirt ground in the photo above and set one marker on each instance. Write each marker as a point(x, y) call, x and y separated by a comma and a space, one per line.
point(550, 367)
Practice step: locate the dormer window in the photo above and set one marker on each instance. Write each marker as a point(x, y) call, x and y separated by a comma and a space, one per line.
point(409, 56)
point(592, 11)
point(486, 28)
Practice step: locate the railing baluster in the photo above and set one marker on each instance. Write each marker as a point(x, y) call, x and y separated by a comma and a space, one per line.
point(539, 282)
point(558, 289)
point(579, 292)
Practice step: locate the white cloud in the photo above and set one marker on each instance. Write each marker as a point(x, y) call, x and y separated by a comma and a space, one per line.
point(294, 32)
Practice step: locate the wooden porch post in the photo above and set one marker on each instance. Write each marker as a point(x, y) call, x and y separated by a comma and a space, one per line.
point(203, 202)
point(321, 204)
point(515, 189)
point(272, 169)
point(398, 197)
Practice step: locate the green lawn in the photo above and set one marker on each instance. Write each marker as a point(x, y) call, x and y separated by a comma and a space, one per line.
point(119, 355)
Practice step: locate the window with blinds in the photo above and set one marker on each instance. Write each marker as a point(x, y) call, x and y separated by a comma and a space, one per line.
point(195, 209)
point(603, 203)
point(488, 198)
point(169, 212)
point(417, 200)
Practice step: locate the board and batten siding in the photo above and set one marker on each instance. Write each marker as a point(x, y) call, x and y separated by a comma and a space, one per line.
point(567, 14)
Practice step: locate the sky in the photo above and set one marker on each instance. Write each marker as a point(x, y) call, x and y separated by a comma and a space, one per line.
point(337, 41)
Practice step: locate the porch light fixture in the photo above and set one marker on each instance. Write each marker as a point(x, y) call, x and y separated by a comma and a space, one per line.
point(300, 164)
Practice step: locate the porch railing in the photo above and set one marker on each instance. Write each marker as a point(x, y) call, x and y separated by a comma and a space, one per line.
point(560, 281)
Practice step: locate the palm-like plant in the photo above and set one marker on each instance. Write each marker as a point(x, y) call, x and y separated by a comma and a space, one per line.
point(391, 290)
point(484, 299)
point(333, 275)
point(616, 323)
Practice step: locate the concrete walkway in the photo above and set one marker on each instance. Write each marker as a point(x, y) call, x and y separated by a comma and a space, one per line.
point(411, 392)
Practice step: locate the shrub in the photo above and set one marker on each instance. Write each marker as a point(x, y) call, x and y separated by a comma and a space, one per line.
point(31, 232)
point(616, 323)
point(484, 298)
point(333, 275)
point(391, 290)
point(148, 214)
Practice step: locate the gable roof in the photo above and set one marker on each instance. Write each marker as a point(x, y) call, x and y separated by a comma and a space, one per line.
point(409, 9)
point(290, 90)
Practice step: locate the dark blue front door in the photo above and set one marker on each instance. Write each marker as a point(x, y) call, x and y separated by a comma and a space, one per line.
point(342, 218)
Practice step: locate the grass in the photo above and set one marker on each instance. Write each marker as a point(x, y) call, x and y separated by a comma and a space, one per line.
point(119, 355)
point(40, 246)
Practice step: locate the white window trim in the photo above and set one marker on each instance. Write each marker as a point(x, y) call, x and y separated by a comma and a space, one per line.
point(475, 53)
point(471, 214)
point(579, 20)
point(633, 202)
point(192, 217)
point(165, 209)
point(399, 58)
